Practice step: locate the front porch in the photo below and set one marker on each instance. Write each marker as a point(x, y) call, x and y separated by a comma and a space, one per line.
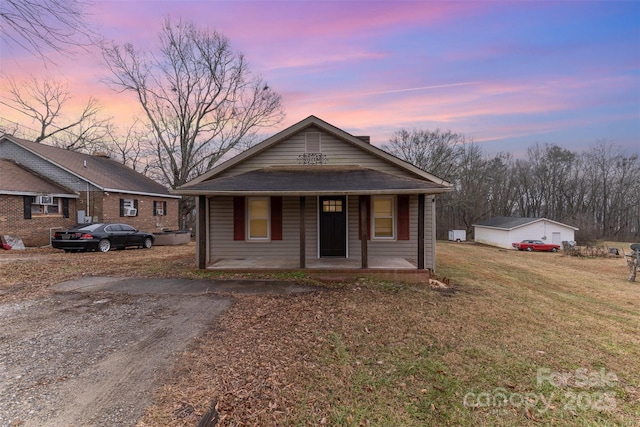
point(282, 263)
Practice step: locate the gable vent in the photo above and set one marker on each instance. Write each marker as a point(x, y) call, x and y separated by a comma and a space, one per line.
point(312, 141)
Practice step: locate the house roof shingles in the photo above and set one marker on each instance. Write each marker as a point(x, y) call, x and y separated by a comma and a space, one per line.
point(313, 121)
point(300, 180)
point(103, 172)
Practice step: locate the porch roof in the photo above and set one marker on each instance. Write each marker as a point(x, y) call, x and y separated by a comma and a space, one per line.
point(312, 180)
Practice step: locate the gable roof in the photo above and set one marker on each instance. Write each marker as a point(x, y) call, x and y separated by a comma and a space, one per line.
point(17, 180)
point(510, 223)
point(318, 180)
point(326, 127)
point(101, 172)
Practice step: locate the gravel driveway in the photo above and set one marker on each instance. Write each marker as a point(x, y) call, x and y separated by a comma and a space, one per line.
point(94, 357)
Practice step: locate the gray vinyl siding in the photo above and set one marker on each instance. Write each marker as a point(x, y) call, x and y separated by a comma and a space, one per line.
point(222, 245)
point(407, 249)
point(11, 151)
point(337, 152)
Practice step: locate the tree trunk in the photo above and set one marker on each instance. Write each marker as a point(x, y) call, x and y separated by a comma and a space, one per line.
point(633, 261)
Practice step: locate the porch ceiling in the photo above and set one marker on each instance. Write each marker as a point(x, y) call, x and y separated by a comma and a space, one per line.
point(313, 180)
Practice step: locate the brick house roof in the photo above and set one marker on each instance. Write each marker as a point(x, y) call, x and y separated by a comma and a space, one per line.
point(19, 181)
point(100, 171)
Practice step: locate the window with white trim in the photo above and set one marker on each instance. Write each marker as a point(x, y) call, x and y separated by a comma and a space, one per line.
point(383, 213)
point(258, 218)
point(49, 209)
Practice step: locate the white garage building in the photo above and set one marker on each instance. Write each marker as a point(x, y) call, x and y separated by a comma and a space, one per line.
point(503, 231)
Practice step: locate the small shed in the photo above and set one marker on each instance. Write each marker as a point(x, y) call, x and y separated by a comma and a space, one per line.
point(503, 231)
point(457, 235)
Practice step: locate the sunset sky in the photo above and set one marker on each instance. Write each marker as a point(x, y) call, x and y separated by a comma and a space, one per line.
point(505, 74)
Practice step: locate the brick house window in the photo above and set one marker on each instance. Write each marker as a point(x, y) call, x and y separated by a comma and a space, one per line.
point(45, 206)
point(52, 208)
point(128, 207)
point(159, 208)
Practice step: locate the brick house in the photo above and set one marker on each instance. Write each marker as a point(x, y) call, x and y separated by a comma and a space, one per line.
point(44, 188)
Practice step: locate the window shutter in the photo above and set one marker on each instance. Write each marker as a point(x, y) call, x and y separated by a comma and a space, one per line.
point(65, 208)
point(368, 204)
point(403, 217)
point(155, 208)
point(121, 207)
point(135, 206)
point(238, 218)
point(27, 207)
point(164, 208)
point(276, 218)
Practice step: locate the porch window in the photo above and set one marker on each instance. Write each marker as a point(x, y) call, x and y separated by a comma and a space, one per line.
point(383, 212)
point(258, 218)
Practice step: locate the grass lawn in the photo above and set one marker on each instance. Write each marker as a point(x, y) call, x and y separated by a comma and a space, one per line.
point(519, 338)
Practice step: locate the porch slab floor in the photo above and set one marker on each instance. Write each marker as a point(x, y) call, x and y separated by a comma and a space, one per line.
point(288, 263)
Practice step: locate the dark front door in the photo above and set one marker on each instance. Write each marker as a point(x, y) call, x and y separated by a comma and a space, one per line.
point(333, 226)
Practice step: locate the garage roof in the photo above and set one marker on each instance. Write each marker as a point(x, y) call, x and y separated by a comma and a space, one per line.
point(510, 222)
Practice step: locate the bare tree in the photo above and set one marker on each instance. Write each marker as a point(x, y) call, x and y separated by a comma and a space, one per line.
point(598, 190)
point(44, 101)
point(198, 96)
point(42, 25)
point(132, 148)
point(434, 151)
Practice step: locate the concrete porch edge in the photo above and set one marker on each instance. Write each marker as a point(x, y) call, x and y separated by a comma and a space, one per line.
point(386, 265)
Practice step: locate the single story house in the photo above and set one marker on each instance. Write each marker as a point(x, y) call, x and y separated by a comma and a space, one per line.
point(314, 195)
point(45, 188)
point(503, 231)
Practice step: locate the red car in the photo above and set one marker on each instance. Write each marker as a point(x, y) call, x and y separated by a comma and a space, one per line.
point(535, 245)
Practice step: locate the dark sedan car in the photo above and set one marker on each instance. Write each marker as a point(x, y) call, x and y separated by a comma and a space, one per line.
point(100, 237)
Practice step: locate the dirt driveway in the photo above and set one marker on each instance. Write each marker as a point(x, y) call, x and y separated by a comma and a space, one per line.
point(93, 352)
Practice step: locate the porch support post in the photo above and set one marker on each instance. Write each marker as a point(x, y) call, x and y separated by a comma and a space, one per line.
point(303, 254)
point(201, 232)
point(364, 235)
point(420, 231)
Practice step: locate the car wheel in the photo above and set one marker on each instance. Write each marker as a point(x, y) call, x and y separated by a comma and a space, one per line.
point(147, 243)
point(104, 245)
point(554, 249)
point(529, 249)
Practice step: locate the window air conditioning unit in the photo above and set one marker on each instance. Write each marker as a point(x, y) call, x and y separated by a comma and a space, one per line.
point(159, 212)
point(44, 200)
point(130, 211)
